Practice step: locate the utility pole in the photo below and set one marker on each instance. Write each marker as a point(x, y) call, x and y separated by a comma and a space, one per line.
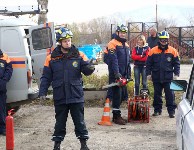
point(156, 12)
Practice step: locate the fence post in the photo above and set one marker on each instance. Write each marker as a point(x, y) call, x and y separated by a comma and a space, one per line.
point(180, 36)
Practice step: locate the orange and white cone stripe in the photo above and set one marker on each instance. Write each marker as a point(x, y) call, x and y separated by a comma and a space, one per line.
point(106, 114)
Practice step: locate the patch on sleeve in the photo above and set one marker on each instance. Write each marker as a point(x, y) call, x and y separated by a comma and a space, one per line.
point(112, 51)
point(2, 65)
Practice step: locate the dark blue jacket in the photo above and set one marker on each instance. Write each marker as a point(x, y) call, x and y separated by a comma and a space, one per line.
point(162, 64)
point(118, 59)
point(64, 71)
point(152, 41)
point(6, 71)
point(105, 59)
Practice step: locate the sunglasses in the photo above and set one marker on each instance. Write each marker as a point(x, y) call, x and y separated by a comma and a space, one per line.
point(163, 40)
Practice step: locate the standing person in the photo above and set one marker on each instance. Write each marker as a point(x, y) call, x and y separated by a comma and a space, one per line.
point(63, 68)
point(6, 71)
point(119, 67)
point(162, 63)
point(152, 40)
point(106, 60)
point(139, 55)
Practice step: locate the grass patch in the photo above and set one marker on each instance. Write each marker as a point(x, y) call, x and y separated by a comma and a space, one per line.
point(95, 81)
point(186, 61)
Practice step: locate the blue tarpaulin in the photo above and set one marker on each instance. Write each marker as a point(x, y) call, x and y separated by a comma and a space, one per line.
point(90, 50)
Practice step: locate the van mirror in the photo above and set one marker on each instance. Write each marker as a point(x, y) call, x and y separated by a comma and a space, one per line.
point(178, 85)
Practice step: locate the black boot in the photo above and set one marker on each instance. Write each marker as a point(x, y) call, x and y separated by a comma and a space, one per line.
point(83, 144)
point(117, 119)
point(57, 145)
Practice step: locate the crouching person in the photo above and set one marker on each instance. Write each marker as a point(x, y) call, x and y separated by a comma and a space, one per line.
point(63, 68)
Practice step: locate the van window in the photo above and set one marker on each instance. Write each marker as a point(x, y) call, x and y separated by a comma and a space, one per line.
point(190, 88)
point(11, 42)
point(41, 38)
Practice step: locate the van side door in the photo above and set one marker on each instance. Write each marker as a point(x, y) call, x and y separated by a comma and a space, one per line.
point(42, 43)
point(185, 117)
point(187, 128)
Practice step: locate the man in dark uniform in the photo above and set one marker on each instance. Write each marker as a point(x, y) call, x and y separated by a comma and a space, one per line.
point(119, 67)
point(63, 68)
point(109, 91)
point(162, 66)
point(5, 75)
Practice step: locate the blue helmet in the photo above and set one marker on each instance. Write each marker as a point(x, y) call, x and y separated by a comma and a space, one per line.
point(163, 35)
point(122, 28)
point(63, 33)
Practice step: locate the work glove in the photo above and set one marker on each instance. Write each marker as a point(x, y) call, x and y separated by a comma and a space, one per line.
point(118, 76)
point(91, 67)
point(93, 62)
point(175, 77)
point(42, 99)
point(149, 77)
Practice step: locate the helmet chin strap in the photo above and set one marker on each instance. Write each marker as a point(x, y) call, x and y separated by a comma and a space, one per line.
point(162, 47)
point(65, 49)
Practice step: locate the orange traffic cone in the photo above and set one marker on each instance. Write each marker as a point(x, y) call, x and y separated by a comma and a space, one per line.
point(106, 114)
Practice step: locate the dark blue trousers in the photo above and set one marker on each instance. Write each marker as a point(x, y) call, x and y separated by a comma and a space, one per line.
point(2, 111)
point(77, 114)
point(124, 94)
point(119, 94)
point(109, 93)
point(169, 96)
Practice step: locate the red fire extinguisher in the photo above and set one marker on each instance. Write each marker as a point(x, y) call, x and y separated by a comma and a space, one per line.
point(10, 131)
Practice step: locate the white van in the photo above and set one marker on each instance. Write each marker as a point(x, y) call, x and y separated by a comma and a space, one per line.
point(185, 113)
point(27, 45)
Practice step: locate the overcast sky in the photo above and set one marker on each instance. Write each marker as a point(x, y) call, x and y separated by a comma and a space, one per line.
point(62, 11)
point(83, 10)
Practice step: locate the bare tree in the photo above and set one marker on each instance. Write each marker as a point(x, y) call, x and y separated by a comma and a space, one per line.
point(190, 19)
point(75, 29)
point(95, 31)
point(101, 27)
point(165, 23)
